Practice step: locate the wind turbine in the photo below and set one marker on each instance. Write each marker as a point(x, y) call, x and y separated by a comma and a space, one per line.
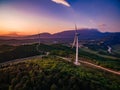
point(39, 42)
point(75, 43)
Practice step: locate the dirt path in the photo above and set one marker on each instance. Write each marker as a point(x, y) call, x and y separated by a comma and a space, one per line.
point(100, 67)
point(67, 59)
point(19, 60)
point(94, 65)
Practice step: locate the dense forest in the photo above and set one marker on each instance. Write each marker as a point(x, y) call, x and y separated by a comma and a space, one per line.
point(52, 73)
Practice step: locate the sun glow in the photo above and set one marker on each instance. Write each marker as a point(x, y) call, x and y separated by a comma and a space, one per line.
point(13, 20)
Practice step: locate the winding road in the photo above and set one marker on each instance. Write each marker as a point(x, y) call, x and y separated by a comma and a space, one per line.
point(19, 60)
point(67, 59)
point(100, 67)
point(94, 65)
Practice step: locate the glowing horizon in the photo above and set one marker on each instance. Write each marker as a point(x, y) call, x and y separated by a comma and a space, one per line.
point(22, 23)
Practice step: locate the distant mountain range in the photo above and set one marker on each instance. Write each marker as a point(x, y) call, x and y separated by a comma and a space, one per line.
point(85, 34)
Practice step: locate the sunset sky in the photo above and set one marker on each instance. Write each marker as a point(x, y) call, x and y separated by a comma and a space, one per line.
point(24, 17)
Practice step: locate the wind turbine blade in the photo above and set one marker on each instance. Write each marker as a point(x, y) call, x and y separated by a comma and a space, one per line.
point(75, 38)
point(74, 42)
point(75, 28)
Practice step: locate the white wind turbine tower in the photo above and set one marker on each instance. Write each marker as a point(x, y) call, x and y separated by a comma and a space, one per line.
point(75, 43)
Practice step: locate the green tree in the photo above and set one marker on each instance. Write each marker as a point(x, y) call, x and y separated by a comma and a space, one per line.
point(53, 87)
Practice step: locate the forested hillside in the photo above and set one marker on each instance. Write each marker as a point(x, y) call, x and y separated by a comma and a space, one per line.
point(51, 73)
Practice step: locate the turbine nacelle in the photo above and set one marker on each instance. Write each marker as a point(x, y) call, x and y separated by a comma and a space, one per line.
point(77, 34)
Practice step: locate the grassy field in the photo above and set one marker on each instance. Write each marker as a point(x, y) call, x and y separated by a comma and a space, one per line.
point(52, 73)
point(102, 50)
point(97, 53)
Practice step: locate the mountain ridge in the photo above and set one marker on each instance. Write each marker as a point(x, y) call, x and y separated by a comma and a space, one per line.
point(90, 33)
point(68, 36)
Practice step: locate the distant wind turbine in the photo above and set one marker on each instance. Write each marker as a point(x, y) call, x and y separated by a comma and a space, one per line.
point(75, 43)
point(39, 42)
